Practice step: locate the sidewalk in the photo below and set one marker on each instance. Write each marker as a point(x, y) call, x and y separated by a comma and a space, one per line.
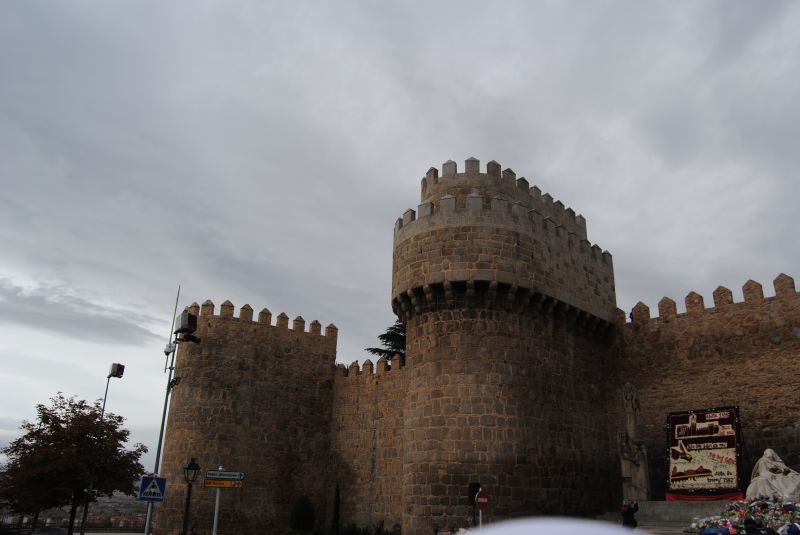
point(662, 528)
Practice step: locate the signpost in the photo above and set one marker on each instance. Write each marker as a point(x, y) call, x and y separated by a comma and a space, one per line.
point(482, 502)
point(222, 479)
point(222, 484)
point(222, 474)
point(152, 488)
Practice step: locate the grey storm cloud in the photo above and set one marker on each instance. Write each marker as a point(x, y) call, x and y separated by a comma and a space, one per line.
point(50, 309)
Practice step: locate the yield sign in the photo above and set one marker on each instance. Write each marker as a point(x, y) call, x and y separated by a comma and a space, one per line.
point(152, 488)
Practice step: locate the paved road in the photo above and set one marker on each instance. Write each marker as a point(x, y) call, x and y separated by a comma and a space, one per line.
point(661, 529)
point(643, 529)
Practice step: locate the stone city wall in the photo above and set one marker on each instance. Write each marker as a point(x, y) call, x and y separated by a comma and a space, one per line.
point(734, 353)
point(367, 442)
point(515, 362)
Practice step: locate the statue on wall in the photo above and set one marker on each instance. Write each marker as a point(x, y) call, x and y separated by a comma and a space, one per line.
point(632, 453)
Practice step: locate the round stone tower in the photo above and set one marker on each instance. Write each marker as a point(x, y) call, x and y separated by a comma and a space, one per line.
point(508, 309)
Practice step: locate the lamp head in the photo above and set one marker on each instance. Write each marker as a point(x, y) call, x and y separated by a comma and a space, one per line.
point(190, 471)
point(116, 370)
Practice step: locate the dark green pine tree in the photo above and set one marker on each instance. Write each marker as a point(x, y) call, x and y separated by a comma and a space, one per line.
point(393, 342)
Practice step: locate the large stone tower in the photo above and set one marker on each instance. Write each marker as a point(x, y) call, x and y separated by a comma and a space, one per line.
point(507, 309)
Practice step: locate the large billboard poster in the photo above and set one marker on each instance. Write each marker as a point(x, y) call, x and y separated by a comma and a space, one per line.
point(703, 460)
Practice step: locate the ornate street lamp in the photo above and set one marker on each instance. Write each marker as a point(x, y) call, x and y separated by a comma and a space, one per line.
point(190, 472)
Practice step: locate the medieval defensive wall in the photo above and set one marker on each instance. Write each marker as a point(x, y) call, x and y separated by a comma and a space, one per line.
point(516, 358)
point(254, 397)
point(741, 354)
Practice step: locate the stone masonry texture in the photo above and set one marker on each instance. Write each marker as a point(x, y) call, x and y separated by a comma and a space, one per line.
point(741, 354)
point(516, 357)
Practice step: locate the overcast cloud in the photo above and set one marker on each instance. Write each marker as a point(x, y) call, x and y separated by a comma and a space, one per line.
point(261, 151)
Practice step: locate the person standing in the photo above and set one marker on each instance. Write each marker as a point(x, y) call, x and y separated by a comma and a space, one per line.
point(628, 512)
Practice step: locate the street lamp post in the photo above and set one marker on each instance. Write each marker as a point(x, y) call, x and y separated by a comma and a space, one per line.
point(190, 472)
point(116, 370)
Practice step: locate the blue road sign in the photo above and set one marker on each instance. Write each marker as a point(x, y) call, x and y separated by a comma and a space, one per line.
point(152, 488)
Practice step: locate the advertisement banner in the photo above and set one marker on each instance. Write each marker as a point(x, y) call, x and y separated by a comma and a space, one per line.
point(703, 457)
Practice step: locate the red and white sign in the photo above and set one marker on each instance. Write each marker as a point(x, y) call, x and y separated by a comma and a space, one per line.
point(704, 455)
point(482, 500)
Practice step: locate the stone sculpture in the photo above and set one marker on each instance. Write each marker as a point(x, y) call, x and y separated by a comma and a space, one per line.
point(632, 453)
point(772, 478)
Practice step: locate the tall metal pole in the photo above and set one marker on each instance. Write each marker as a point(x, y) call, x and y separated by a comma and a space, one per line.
point(99, 432)
point(170, 351)
point(103, 410)
point(186, 510)
point(216, 510)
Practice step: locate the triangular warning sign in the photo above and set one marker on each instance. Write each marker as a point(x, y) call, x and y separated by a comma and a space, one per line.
point(152, 491)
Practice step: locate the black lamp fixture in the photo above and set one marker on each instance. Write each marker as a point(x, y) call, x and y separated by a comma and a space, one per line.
point(190, 472)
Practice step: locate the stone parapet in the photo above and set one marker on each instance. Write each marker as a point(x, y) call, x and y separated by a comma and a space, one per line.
point(497, 183)
point(263, 326)
point(479, 229)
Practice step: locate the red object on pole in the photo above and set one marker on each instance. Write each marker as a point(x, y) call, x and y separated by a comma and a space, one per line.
point(482, 500)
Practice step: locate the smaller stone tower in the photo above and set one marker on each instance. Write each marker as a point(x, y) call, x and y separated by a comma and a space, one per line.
point(253, 397)
point(507, 307)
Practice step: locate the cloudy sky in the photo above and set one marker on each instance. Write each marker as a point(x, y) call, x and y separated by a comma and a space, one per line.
point(261, 151)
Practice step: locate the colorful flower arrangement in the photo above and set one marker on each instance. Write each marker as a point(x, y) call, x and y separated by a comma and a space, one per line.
point(757, 516)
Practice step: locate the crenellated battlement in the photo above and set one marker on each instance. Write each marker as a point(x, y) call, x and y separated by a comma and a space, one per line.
point(495, 183)
point(757, 321)
point(367, 370)
point(205, 312)
point(695, 308)
point(477, 209)
point(494, 229)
